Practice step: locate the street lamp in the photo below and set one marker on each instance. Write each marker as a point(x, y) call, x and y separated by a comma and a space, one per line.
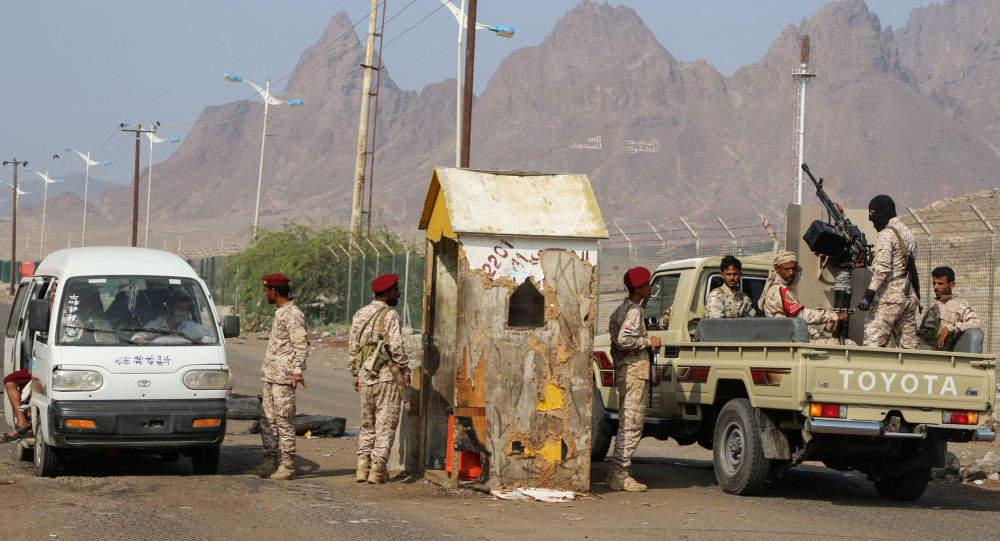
point(45, 199)
point(153, 138)
point(268, 100)
point(502, 31)
point(86, 185)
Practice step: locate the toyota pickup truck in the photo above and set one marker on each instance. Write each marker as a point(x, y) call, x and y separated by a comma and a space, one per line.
point(755, 392)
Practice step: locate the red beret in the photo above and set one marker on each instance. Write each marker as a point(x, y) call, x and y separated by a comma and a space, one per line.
point(636, 277)
point(384, 282)
point(276, 279)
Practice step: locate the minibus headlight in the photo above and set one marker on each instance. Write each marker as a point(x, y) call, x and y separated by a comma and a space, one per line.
point(206, 379)
point(76, 380)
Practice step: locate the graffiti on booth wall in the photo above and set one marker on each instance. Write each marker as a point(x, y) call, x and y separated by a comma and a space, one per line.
point(507, 260)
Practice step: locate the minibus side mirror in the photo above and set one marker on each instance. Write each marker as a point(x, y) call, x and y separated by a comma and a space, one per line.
point(38, 315)
point(231, 326)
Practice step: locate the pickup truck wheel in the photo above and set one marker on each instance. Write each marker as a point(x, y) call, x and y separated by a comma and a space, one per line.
point(908, 487)
point(601, 429)
point(46, 458)
point(738, 455)
point(205, 460)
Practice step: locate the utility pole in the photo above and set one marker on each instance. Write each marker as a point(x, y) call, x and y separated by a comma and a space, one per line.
point(13, 222)
point(470, 60)
point(357, 199)
point(135, 180)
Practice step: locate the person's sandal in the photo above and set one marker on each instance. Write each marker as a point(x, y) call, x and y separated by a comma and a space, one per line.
point(21, 431)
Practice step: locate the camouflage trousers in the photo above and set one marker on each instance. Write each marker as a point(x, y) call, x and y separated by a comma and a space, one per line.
point(632, 396)
point(380, 407)
point(277, 424)
point(892, 324)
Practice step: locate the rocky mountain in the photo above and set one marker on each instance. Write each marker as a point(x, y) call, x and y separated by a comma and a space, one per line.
point(909, 112)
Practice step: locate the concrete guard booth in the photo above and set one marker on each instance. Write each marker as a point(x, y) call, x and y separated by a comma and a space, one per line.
point(509, 306)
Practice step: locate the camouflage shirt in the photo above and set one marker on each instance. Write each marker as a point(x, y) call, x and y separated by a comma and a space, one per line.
point(889, 267)
point(629, 340)
point(393, 334)
point(287, 347)
point(725, 301)
point(950, 312)
point(780, 301)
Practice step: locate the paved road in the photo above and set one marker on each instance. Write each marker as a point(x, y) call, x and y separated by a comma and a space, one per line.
point(119, 495)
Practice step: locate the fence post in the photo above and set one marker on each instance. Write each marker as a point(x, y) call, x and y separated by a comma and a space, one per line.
point(350, 271)
point(631, 254)
point(770, 232)
point(697, 239)
point(389, 250)
point(406, 290)
point(732, 237)
point(378, 255)
point(993, 270)
point(930, 246)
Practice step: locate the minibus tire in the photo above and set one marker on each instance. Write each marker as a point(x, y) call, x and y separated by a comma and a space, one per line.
point(46, 458)
point(24, 452)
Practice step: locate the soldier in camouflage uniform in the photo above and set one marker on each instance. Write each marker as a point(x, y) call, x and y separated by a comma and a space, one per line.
point(375, 371)
point(893, 316)
point(728, 300)
point(281, 371)
point(778, 300)
point(950, 316)
point(630, 345)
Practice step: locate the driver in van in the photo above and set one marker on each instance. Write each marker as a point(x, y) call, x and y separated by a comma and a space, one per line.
point(177, 318)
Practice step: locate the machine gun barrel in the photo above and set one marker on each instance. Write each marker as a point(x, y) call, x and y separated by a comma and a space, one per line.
point(860, 250)
point(835, 212)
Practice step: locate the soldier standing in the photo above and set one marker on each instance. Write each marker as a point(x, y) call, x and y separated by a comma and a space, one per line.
point(950, 316)
point(893, 315)
point(281, 371)
point(630, 345)
point(728, 300)
point(778, 300)
point(376, 354)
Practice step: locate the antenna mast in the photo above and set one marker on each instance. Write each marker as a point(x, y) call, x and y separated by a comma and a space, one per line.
point(802, 75)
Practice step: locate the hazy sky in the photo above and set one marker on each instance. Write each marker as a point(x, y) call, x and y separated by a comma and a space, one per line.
point(72, 70)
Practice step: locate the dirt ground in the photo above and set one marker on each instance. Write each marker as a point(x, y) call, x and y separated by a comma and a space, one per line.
point(118, 495)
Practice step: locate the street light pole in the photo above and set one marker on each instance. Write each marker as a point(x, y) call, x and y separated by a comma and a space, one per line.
point(502, 31)
point(45, 200)
point(13, 223)
point(268, 100)
point(86, 186)
point(153, 138)
point(470, 60)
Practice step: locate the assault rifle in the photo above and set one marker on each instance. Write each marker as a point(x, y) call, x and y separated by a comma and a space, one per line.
point(844, 244)
point(840, 239)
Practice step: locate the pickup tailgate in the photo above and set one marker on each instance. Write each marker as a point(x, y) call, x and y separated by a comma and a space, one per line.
point(917, 383)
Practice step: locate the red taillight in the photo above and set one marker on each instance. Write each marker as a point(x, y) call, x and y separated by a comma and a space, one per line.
point(819, 409)
point(603, 361)
point(768, 376)
point(607, 378)
point(960, 417)
point(693, 374)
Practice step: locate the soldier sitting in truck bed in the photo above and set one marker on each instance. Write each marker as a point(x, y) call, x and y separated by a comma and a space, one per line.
point(778, 300)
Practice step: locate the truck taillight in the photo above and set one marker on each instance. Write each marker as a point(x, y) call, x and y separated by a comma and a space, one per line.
point(693, 374)
point(960, 417)
point(819, 409)
point(605, 368)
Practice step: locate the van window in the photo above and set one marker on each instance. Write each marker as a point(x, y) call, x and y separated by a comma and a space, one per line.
point(661, 299)
point(15, 309)
point(142, 310)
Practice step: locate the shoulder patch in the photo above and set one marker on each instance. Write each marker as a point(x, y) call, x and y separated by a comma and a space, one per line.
point(790, 304)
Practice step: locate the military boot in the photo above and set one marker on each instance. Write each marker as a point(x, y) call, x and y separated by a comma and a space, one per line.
point(630, 484)
point(286, 470)
point(268, 466)
point(616, 477)
point(378, 475)
point(364, 466)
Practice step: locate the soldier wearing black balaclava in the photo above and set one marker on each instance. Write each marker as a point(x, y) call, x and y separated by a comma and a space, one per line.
point(890, 296)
